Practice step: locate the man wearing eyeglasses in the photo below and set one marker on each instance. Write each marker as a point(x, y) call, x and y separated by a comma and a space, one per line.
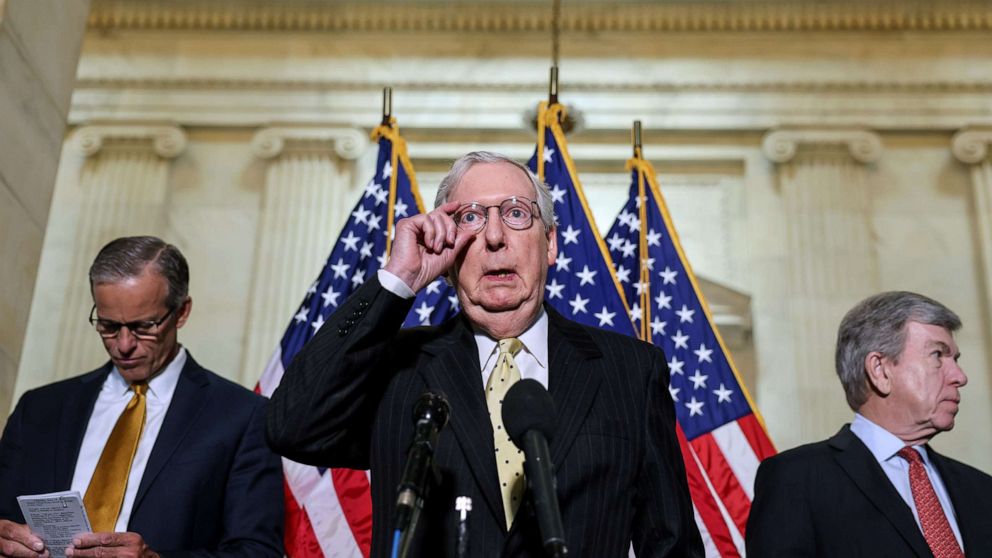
point(169, 457)
point(347, 398)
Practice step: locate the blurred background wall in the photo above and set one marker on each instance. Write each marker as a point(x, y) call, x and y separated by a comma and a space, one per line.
point(812, 153)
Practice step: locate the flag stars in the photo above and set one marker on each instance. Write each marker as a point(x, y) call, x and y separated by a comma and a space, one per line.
point(635, 312)
point(703, 353)
point(578, 304)
point(615, 242)
point(330, 297)
point(371, 189)
point(381, 197)
point(675, 365)
point(668, 276)
point(400, 209)
point(558, 194)
point(366, 251)
point(674, 391)
point(340, 269)
point(562, 262)
point(387, 170)
point(640, 287)
point(302, 315)
point(605, 317)
point(586, 276)
point(654, 238)
point(681, 341)
point(358, 278)
point(554, 289)
point(548, 154)
point(434, 287)
point(361, 215)
point(316, 325)
point(695, 407)
point(374, 222)
point(627, 219)
point(570, 235)
point(623, 274)
point(628, 248)
point(664, 301)
point(658, 326)
point(350, 242)
point(424, 312)
point(723, 394)
point(698, 380)
point(685, 315)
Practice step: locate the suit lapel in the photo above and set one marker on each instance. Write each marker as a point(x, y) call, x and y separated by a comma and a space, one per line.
point(455, 371)
point(860, 465)
point(572, 381)
point(189, 398)
point(74, 417)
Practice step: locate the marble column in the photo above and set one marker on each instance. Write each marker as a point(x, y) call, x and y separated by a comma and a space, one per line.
point(308, 193)
point(824, 179)
point(971, 146)
point(123, 191)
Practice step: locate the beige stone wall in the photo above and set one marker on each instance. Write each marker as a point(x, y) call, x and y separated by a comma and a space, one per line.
point(39, 47)
point(873, 196)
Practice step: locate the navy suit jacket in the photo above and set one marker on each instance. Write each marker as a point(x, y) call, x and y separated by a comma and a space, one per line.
point(833, 499)
point(347, 400)
point(211, 486)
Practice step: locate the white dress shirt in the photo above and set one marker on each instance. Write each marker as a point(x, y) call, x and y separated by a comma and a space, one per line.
point(884, 446)
point(110, 403)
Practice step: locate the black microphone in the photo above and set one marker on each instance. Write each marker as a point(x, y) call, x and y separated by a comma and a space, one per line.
point(430, 415)
point(529, 418)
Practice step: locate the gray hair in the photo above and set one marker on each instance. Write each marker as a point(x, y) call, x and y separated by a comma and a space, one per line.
point(128, 257)
point(878, 323)
point(466, 162)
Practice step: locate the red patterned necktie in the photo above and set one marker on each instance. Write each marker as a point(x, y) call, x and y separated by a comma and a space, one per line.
point(936, 529)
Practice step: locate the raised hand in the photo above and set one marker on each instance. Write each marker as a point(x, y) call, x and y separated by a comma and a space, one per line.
point(426, 245)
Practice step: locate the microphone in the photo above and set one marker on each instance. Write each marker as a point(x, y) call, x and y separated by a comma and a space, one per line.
point(529, 418)
point(430, 415)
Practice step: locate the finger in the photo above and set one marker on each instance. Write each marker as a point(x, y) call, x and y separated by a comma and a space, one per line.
point(449, 207)
point(21, 535)
point(14, 549)
point(440, 232)
point(92, 540)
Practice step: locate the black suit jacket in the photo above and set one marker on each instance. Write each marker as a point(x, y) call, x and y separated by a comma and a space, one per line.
point(347, 398)
point(211, 486)
point(833, 499)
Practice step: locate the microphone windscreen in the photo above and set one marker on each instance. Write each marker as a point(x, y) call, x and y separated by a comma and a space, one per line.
point(528, 406)
point(432, 406)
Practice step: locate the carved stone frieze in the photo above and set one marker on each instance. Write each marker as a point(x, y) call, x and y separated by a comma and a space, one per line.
point(535, 16)
point(166, 141)
point(781, 146)
point(348, 143)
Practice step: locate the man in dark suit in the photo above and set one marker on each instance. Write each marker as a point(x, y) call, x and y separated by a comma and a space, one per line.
point(195, 476)
point(877, 488)
point(347, 398)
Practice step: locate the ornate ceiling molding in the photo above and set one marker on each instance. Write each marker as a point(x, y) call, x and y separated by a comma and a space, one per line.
point(535, 16)
point(348, 143)
point(166, 141)
point(781, 146)
point(793, 86)
point(971, 145)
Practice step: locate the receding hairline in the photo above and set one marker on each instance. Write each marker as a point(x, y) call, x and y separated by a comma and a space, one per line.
point(521, 172)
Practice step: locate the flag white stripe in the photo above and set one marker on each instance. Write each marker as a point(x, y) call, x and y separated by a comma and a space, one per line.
point(739, 455)
point(316, 495)
point(735, 534)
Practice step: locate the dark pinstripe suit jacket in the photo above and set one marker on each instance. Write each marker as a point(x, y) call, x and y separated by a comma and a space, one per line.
point(346, 401)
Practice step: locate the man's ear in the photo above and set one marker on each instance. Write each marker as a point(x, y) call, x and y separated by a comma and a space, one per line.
point(879, 372)
point(182, 313)
point(552, 245)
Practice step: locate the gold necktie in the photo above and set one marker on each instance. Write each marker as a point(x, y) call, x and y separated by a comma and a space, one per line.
point(105, 493)
point(509, 459)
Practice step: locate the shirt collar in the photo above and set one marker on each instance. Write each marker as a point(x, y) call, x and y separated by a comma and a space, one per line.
point(881, 443)
point(161, 386)
point(534, 340)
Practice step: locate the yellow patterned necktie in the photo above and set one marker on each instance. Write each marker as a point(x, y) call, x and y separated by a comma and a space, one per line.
point(105, 493)
point(509, 459)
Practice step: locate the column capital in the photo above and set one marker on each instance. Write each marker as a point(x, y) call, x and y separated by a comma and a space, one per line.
point(166, 140)
point(348, 143)
point(971, 145)
point(781, 145)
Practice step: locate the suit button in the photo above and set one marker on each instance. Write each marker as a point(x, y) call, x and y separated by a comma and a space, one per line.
point(363, 303)
point(342, 332)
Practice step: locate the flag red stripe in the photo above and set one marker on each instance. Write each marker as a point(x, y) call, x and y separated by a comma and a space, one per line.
point(352, 488)
point(705, 503)
point(723, 479)
point(299, 538)
point(756, 436)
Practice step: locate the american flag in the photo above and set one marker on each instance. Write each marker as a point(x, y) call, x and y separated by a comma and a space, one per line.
point(582, 284)
point(329, 511)
point(722, 438)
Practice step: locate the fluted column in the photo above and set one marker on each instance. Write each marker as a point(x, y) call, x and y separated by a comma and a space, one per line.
point(971, 146)
point(824, 178)
point(306, 201)
point(123, 185)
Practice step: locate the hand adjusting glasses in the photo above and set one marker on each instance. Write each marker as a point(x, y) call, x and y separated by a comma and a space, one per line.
point(145, 329)
point(516, 213)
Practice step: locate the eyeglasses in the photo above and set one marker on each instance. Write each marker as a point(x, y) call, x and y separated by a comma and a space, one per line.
point(144, 329)
point(516, 213)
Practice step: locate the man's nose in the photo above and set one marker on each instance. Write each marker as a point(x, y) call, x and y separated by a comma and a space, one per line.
point(958, 376)
point(494, 228)
point(126, 341)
